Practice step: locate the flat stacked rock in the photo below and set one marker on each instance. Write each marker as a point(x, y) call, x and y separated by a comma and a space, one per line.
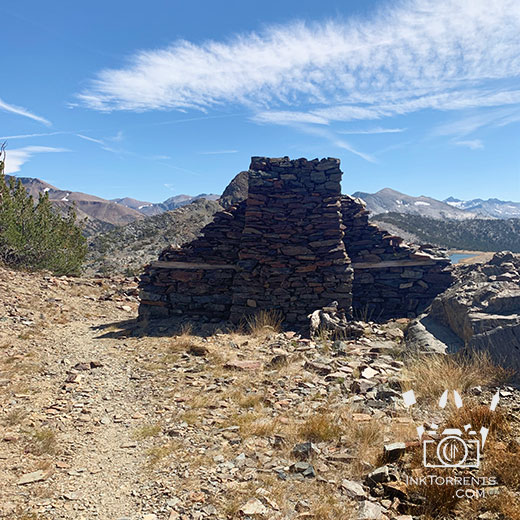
point(392, 278)
point(292, 257)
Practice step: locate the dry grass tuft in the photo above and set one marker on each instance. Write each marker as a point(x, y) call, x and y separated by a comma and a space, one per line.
point(15, 417)
point(331, 508)
point(503, 461)
point(478, 415)
point(322, 501)
point(506, 505)
point(366, 439)
point(264, 322)
point(26, 516)
point(322, 426)
point(439, 501)
point(256, 424)
point(431, 375)
point(147, 430)
point(184, 341)
point(158, 453)
point(248, 401)
point(42, 442)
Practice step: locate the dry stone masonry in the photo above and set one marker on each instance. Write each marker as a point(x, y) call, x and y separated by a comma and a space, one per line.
point(294, 245)
point(392, 279)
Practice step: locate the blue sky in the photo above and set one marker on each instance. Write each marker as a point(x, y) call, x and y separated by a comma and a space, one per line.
point(151, 100)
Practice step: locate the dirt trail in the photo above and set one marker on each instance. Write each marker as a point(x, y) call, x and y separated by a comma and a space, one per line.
point(72, 402)
point(99, 427)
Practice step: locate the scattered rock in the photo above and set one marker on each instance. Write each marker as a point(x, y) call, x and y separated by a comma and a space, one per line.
point(304, 450)
point(253, 507)
point(35, 476)
point(370, 511)
point(304, 468)
point(379, 475)
point(353, 489)
point(394, 451)
point(244, 365)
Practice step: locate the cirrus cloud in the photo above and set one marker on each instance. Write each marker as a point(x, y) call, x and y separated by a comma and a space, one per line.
point(413, 55)
point(17, 157)
point(6, 107)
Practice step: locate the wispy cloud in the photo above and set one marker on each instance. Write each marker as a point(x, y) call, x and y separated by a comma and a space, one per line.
point(469, 124)
point(218, 152)
point(335, 140)
point(376, 130)
point(473, 144)
point(28, 136)
point(91, 139)
point(17, 157)
point(286, 117)
point(118, 137)
point(122, 152)
point(23, 112)
point(413, 55)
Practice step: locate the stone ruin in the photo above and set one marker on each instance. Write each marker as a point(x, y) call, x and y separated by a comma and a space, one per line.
point(294, 245)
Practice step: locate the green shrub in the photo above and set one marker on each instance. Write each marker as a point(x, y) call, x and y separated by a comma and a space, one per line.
point(35, 235)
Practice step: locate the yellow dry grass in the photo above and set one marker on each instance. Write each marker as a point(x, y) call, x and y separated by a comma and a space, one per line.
point(264, 323)
point(430, 375)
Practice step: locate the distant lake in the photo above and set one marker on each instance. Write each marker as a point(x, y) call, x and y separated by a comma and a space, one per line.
point(457, 257)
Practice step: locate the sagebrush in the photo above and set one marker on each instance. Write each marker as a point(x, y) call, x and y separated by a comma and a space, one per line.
point(34, 235)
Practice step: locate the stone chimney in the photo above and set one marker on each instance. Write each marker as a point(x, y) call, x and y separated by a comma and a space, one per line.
point(292, 257)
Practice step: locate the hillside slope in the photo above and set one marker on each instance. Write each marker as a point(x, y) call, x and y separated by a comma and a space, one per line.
point(128, 248)
point(156, 208)
point(100, 214)
point(494, 208)
point(470, 234)
point(103, 417)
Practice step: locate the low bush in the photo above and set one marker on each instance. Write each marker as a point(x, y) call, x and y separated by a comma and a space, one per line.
point(35, 235)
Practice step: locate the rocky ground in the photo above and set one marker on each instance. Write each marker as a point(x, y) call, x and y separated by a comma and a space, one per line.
point(480, 310)
point(104, 417)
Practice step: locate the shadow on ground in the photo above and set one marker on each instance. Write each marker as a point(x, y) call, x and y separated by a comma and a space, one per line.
point(138, 327)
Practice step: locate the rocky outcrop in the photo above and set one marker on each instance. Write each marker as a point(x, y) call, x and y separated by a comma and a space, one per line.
point(236, 191)
point(481, 311)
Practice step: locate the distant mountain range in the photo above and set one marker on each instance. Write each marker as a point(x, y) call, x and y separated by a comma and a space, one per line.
point(494, 208)
point(126, 228)
point(100, 214)
point(392, 201)
point(152, 208)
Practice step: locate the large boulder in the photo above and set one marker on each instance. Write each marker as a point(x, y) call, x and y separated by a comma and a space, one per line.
point(481, 311)
point(236, 191)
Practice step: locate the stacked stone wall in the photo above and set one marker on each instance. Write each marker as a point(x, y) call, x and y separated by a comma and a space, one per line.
point(196, 280)
point(292, 256)
point(391, 278)
point(294, 245)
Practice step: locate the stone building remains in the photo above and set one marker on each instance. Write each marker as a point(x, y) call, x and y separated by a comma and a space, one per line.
point(294, 245)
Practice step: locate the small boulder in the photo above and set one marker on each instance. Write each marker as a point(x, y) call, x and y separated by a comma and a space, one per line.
point(353, 489)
